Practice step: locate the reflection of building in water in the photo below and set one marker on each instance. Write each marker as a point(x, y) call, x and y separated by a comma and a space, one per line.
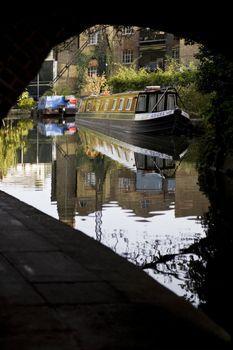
point(190, 201)
point(140, 199)
point(38, 149)
point(33, 165)
point(28, 175)
point(119, 182)
point(64, 178)
point(145, 175)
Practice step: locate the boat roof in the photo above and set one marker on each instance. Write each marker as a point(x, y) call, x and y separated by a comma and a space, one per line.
point(148, 89)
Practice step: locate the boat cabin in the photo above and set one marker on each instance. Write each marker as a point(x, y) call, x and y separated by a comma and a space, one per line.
point(60, 106)
point(152, 99)
point(155, 99)
point(116, 103)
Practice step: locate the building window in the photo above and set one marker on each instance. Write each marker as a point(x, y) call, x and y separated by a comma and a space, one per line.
point(127, 56)
point(92, 71)
point(90, 179)
point(175, 53)
point(93, 38)
point(127, 30)
point(145, 203)
point(123, 184)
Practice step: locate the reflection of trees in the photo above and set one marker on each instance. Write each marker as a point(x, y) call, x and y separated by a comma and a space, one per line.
point(211, 275)
point(209, 264)
point(12, 137)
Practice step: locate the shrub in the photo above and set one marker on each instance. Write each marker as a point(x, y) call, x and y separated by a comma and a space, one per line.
point(25, 101)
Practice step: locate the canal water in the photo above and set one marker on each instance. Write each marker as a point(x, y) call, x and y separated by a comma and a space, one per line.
point(139, 197)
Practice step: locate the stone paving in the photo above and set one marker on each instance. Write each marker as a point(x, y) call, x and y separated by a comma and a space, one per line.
point(60, 289)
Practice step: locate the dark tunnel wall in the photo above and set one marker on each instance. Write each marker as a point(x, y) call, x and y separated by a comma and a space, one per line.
point(26, 38)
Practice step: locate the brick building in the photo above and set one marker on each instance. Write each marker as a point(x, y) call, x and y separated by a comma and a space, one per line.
point(102, 49)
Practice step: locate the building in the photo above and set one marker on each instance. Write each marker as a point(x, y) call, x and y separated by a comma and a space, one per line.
point(44, 79)
point(187, 52)
point(101, 50)
point(154, 48)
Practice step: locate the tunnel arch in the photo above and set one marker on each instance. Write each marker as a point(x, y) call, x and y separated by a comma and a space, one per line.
point(27, 39)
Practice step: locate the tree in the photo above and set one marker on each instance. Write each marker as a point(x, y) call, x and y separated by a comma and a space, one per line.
point(25, 101)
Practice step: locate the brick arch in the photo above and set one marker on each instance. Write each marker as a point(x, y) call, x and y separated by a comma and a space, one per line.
point(26, 42)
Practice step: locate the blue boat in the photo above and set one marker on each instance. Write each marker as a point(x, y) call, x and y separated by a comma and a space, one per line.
point(60, 107)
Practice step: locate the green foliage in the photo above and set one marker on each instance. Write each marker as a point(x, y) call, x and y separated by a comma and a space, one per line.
point(132, 79)
point(61, 89)
point(95, 84)
point(215, 76)
point(25, 101)
point(103, 52)
point(11, 139)
point(82, 64)
point(196, 103)
point(177, 75)
point(127, 79)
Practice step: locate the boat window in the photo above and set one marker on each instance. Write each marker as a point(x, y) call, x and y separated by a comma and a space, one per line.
point(114, 104)
point(82, 106)
point(101, 105)
point(141, 106)
point(171, 101)
point(106, 105)
point(121, 103)
point(152, 102)
point(97, 107)
point(134, 103)
point(160, 105)
point(129, 104)
point(88, 106)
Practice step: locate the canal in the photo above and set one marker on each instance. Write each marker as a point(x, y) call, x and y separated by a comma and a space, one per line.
point(141, 198)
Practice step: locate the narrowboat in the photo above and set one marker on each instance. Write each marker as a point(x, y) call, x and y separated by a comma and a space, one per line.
point(61, 107)
point(153, 111)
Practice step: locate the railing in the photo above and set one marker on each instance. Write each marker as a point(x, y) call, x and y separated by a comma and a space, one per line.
point(151, 37)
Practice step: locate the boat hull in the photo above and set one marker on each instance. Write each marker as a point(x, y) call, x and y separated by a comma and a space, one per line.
point(170, 124)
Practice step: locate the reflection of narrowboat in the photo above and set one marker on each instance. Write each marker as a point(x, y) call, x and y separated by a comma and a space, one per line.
point(136, 158)
point(55, 106)
point(153, 111)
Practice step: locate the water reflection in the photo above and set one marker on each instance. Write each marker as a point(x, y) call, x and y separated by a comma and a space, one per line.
point(138, 197)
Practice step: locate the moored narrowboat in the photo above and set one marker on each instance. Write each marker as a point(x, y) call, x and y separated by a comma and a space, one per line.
point(61, 107)
point(153, 111)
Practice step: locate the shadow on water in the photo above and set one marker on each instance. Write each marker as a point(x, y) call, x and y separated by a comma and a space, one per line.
point(211, 275)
